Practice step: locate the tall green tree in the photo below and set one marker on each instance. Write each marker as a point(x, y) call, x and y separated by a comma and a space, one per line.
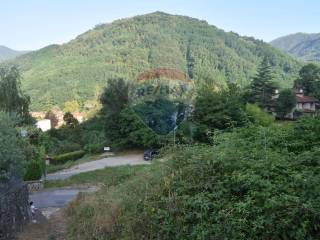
point(11, 154)
point(309, 80)
point(70, 120)
point(115, 96)
point(262, 86)
point(114, 99)
point(285, 103)
point(218, 110)
point(12, 99)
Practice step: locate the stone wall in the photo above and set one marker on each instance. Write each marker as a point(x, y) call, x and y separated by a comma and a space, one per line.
point(14, 209)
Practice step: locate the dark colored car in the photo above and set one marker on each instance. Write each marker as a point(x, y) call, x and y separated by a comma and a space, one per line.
point(150, 154)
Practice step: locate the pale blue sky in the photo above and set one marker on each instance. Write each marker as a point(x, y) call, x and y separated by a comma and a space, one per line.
point(32, 24)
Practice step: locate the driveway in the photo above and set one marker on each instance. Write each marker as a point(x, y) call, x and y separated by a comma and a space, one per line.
point(131, 159)
point(56, 198)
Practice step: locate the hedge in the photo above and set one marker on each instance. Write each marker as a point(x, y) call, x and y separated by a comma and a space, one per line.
point(33, 171)
point(71, 156)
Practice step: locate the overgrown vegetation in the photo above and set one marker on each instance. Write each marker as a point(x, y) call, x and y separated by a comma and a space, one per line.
point(12, 158)
point(254, 183)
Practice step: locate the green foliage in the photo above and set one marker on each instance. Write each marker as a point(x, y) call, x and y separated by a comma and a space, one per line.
point(70, 120)
point(12, 100)
point(161, 115)
point(257, 116)
point(306, 134)
point(71, 156)
point(309, 80)
point(250, 185)
point(12, 158)
point(123, 127)
point(128, 47)
point(71, 106)
point(285, 103)
point(262, 86)
point(218, 110)
point(115, 96)
point(131, 132)
point(33, 171)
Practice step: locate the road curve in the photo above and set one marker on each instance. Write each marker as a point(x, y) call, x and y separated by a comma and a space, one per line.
point(130, 159)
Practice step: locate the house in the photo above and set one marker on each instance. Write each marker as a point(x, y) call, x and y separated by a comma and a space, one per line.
point(38, 115)
point(44, 125)
point(304, 105)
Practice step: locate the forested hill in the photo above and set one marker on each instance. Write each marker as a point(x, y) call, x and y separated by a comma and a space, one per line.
point(128, 47)
point(7, 53)
point(302, 45)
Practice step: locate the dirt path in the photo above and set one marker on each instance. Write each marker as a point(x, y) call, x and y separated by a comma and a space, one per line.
point(131, 159)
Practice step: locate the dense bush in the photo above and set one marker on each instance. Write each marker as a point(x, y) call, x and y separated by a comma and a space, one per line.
point(252, 184)
point(12, 158)
point(257, 116)
point(246, 187)
point(33, 171)
point(62, 158)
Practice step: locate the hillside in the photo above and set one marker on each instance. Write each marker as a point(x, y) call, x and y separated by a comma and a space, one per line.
point(128, 47)
point(7, 53)
point(302, 45)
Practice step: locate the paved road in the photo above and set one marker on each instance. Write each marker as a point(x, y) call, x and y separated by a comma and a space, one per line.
point(56, 198)
point(132, 159)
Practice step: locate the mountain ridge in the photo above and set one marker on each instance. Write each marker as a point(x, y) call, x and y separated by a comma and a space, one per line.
point(130, 46)
point(305, 46)
point(8, 53)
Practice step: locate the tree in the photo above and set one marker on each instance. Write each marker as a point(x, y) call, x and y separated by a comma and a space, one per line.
point(71, 106)
point(53, 118)
point(219, 110)
point(114, 99)
point(70, 120)
point(285, 103)
point(115, 96)
point(12, 99)
point(11, 154)
point(262, 86)
point(309, 80)
point(258, 116)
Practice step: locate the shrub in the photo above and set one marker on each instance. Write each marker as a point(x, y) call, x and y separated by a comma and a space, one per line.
point(94, 148)
point(12, 157)
point(258, 116)
point(33, 171)
point(60, 159)
point(239, 189)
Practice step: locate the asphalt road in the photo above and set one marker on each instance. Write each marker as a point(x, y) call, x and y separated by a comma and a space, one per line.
point(56, 198)
point(132, 159)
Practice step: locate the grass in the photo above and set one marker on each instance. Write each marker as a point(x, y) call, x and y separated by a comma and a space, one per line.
point(109, 176)
point(117, 203)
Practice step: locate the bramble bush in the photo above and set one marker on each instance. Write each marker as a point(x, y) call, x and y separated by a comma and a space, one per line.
point(238, 189)
point(254, 183)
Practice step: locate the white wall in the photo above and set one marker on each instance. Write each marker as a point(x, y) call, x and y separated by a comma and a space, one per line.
point(44, 125)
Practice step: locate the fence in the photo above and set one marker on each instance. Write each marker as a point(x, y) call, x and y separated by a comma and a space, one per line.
point(14, 209)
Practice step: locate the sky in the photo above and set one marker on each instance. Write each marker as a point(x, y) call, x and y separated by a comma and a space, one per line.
point(33, 24)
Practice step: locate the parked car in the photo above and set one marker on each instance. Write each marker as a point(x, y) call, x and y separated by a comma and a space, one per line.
point(150, 154)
